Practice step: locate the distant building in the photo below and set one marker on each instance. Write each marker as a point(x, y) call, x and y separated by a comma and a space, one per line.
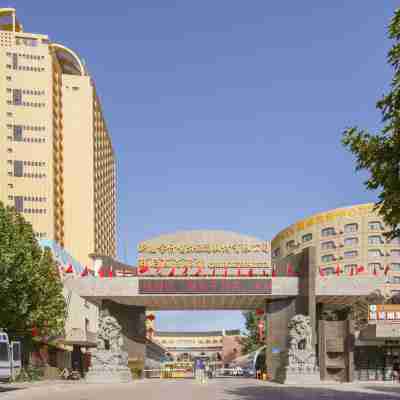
point(220, 346)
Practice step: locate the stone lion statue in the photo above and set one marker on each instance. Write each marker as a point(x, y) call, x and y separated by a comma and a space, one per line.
point(301, 350)
point(109, 334)
point(300, 333)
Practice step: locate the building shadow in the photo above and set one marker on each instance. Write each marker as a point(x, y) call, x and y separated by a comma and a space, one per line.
point(7, 388)
point(310, 393)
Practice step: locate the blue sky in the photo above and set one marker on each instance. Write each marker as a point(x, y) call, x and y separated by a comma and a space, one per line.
point(227, 114)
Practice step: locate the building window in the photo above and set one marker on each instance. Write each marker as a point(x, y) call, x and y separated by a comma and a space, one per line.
point(329, 271)
point(290, 245)
point(328, 232)
point(395, 253)
point(352, 241)
point(276, 252)
point(374, 225)
point(374, 267)
point(15, 61)
point(17, 97)
point(395, 279)
point(307, 237)
point(328, 245)
point(348, 267)
point(328, 258)
point(18, 168)
point(350, 254)
point(17, 131)
point(375, 253)
point(351, 228)
point(19, 203)
point(395, 267)
point(376, 239)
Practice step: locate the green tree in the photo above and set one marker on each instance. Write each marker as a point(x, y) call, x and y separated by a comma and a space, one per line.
point(379, 153)
point(30, 287)
point(251, 341)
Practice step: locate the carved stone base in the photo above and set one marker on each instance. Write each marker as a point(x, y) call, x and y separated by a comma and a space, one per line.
point(109, 367)
point(293, 377)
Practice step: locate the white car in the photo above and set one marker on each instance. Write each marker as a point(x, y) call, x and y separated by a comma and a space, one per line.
point(237, 371)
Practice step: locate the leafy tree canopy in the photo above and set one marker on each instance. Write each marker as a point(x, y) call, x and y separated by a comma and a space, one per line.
point(30, 287)
point(251, 341)
point(379, 153)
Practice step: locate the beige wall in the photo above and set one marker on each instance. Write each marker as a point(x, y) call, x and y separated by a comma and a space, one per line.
point(29, 117)
point(342, 242)
point(77, 194)
point(78, 166)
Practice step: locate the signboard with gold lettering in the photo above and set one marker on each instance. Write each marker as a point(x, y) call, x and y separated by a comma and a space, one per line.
point(389, 313)
point(204, 253)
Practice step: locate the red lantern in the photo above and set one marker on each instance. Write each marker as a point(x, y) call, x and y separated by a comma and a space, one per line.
point(261, 326)
point(259, 312)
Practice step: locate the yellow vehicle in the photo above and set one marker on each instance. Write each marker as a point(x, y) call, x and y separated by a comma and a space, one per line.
point(177, 369)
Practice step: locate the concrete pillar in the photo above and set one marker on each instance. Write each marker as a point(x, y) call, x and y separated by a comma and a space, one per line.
point(280, 311)
point(132, 320)
point(278, 315)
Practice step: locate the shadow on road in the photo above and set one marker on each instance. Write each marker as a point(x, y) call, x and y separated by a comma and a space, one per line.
point(389, 389)
point(4, 389)
point(309, 393)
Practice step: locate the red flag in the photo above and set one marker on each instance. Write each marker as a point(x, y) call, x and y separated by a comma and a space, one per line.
point(250, 273)
point(289, 270)
point(85, 272)
point(69, 269)
point(199, 271)
point(338, 271)
point(273, 271)
point(360, 269)
point(110, 272)
point(185, 271)
point(101, 273)
point(143, 269)
point(172, 272)
point(225, 271)
point(387, 269)
point(321, 272)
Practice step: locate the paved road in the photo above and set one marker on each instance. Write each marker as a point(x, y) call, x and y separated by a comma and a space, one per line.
point(218, 389)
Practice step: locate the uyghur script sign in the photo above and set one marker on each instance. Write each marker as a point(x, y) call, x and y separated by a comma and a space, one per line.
point(384, 313)
point(205, 286)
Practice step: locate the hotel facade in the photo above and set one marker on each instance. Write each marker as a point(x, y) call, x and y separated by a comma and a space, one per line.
point(58, 165)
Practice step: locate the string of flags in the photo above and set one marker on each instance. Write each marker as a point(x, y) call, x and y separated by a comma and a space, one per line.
point(202, 271)
point(352, 271)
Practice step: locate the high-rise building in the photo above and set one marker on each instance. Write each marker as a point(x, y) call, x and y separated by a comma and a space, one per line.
point(58, 165)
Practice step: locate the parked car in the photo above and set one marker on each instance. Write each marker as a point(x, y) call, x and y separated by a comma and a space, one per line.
point(237, 371)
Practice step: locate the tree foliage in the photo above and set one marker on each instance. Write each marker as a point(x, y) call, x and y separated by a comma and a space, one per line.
point(30, 287)
point(379, 153)
point(251, 341)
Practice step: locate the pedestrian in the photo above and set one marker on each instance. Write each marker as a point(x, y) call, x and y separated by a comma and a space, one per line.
point(201, 371)
point(197, 369)
point(396, 369)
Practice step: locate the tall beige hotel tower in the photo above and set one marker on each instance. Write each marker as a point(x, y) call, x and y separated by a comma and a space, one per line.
point(57, 161)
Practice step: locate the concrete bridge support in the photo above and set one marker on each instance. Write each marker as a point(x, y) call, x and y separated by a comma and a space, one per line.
point(132, 321)
point(280, 311)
